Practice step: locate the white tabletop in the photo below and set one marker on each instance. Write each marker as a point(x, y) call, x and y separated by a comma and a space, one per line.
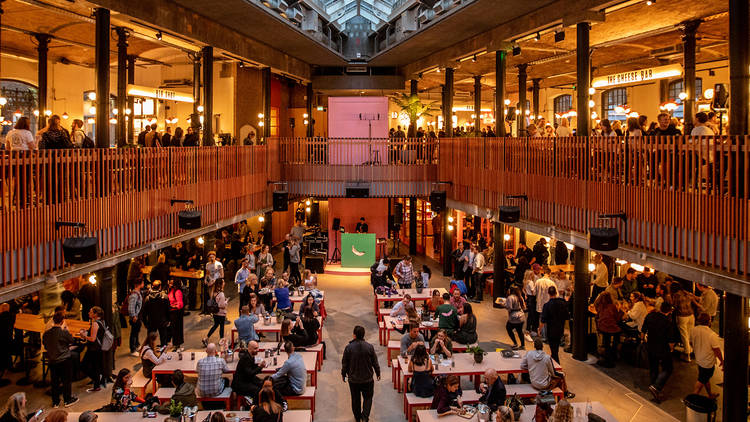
point(299, 299)
point(465, 364)
point(527, 415)
point(188, 366)
point(392, 322)
point(425, 295)
point(289, 416)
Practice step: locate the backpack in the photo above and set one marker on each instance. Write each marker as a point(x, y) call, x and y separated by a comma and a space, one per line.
point(108, 340)
point(87, 142)
point(124, 311)
point(212, 306)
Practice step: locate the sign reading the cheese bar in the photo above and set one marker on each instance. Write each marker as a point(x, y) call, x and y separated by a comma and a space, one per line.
point(159, 93)
point(642, 75)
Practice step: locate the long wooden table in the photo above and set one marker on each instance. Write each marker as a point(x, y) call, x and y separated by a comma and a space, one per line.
point(424, 296)
point(391, 323)
point(289, 416)
point(299, 299)
point(176, 272)
point(189, 366)
point(430, 415)
point(275, 328)
point(35, 323)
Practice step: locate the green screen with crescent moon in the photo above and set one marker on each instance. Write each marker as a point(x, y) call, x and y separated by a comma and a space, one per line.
point(357, 250)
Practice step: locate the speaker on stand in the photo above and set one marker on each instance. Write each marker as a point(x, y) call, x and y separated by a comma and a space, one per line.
point(336, 228)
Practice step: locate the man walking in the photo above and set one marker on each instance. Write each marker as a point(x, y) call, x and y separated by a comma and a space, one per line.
point(554, 315)
point(707, 346)
point(477, 274)
point(58, 341)
point(657, 328)
point(358, 363)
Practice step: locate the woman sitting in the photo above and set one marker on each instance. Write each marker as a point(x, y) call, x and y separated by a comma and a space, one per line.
point(311, 325)
point(309, 302)
point(123, 398)
point(15, 410)
point(255, 306)
point(467, 331)
point(297, 334)
point(310, 280)
point(267, 409)
point(435, 301)
point(421, 368)
point(149, 359)
point(447, 398)
point(251, 288)
point(441, 344)
point(281, 296)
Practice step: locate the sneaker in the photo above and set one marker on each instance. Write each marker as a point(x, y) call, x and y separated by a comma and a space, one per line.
point(284, 406)
point(205, 342)
point(569, 395)
point(135, 354)
point(71, 402)
point(527, 336)
point(93, 390)
point(655, 392)
point(181, 349)
point(516, 347)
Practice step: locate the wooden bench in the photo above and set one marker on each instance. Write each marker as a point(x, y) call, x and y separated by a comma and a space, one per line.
point(383, 312)
point(308, 395)
point(140, 383)
point(394, 347)
point(527, 391)
point(381, 332)
point(413, 403)
point(395, 374)
point(165, 394)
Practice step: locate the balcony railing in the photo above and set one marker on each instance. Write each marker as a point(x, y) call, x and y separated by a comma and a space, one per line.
point(391, 167)
point(684, 197)
point(123, 197)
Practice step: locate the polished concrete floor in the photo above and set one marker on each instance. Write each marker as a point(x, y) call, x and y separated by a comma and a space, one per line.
point(349, 302)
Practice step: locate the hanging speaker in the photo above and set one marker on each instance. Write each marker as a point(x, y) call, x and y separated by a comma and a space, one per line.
point(509, 213)
point(79, 250)
point(357, 192)
point(437, 200)
point(398, 214)
point(189, 219)
point(603, 238)
point(280, 200)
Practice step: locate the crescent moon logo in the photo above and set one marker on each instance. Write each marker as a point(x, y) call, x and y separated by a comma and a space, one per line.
point(356, 252)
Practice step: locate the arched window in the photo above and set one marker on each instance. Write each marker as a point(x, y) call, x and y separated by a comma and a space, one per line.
point(610, 100)
point(673, 94)
point(562, 104)
point(23, 99)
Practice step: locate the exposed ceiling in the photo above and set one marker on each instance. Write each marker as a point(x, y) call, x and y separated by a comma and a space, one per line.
point(375, 11)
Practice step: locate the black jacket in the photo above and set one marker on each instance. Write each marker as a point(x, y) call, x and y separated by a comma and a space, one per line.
point(359, 362)
point(495, 395)
point(160, 272)
point(155, 311)
point(245, 380)
point(191, 140)
point(57, 342)
point(554, 314)
point(541, 253)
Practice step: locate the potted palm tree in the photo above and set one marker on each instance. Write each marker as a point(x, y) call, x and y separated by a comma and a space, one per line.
point(414, 108)
point(175, 411)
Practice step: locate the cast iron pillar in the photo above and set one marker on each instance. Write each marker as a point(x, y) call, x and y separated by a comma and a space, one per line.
point(734, 406)
point(208, 95)
point(266, 75)
point(498, 275)
point(309, 109)
point(122, 83)
point(739, 78)
point(448, 103)
point(447, 246)
point(42, 49)
point(522, 99)
point(131, 101)
point(581, 284)
point(413, 87)
point(583, 81)
point(688, 56)
point(478, 103)
point(412, 225)
point(104, 300)
point(500, 92)
point(196, 58)
point(535, 96)
point(102, 87)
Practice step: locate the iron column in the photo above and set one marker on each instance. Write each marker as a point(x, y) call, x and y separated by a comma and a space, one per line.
point(102, 83)
point(208, 95)
point(448, 103)
point(581, 284)
point(478, 103)
point(266, 75)
point(500, 92)
point(688, 56)
point(583, 82)
point(122, 82)
point(131, 102)
point(42, 49)
point(309, 107)
point(535, 96)
point(522, 98)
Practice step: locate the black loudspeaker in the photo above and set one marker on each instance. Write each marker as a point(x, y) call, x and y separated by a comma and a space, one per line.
point(314, 218)
point(604, 238)
point(280, 200)
point(189, 219)
point(509, 214)
point(79, 250)
point(398, 213)
point(315, 264)
point(437, 200)
point(357, 192)
point(336, 224)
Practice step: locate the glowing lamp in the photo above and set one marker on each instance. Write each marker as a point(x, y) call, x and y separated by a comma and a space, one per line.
point(92, 96)
point(592, 267)
point(92, 110)
point(36, 113)
point(261, 219)
point(592, 91)
point(200, 240)
point(637, 267)
point(92, 279)
point(200, 109)
point(506, 237)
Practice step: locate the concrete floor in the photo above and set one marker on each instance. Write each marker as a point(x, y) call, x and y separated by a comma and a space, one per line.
point(349, 302)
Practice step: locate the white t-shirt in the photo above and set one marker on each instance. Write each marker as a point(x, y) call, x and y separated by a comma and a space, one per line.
point(563, 131)
point(213, 270)
point(702, 131)
point(20, 139)
point(542, 292)
point(704, 340)
point(710, 302)
point(638, 314)
point(635, 133)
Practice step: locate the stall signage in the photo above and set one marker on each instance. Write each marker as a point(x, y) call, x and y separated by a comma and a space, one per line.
point(159, 93)
point(642, 75)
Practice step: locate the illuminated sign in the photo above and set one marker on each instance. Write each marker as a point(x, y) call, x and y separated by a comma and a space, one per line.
point(642, 75)
point(159, 93)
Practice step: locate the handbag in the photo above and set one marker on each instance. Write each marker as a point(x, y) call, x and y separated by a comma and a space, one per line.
point(212, 306)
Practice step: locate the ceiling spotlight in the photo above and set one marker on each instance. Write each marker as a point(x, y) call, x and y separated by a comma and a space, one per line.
point(650, 2)
point(560, 35)
point(474, 59)
point(158, 35)
point(242, 64)
point(516, 50)
point(537, 37)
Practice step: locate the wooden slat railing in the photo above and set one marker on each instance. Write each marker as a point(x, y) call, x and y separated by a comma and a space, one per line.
point(392, 167)
point(684, 197)
point(121, 195)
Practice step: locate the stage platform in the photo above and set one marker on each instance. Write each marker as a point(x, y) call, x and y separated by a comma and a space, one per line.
point(337, 269)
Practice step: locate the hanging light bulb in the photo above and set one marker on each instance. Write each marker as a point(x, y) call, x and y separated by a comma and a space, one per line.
point(506, 237)
point(200, 109)
point(92, 96)
point(592, 91)
point(591, 104)
point(92, 279)
point(65, 116)
point(127, 112)
point(307, 209)
point(305, 115)
point(260, 115)
point(592, 267)
point(307, 202)
point(36, 113)
point(113, 120)
point(115, 111)
point(18, 113)
point(200, 240)
point(261, 219)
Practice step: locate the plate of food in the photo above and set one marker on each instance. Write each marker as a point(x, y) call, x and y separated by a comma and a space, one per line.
point(466, 412)
point(427, 323)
